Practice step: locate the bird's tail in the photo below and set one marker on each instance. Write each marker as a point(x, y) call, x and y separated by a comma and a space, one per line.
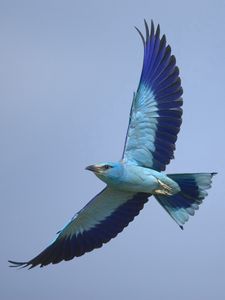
point(193, 191)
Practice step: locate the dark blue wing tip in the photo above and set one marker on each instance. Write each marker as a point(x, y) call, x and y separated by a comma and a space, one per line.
point(19, 265)
point(141, 35)
point(22, 265)
point(148, 33)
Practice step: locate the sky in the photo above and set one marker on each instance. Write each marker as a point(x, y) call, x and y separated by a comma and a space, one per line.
point(67, 76)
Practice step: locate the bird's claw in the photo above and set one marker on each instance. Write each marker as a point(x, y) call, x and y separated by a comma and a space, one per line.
point(165, 189)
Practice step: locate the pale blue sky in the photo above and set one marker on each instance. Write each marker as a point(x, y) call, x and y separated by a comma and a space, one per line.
point(68, 72)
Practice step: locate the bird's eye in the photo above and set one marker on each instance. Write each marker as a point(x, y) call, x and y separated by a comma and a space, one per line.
point(106, 167)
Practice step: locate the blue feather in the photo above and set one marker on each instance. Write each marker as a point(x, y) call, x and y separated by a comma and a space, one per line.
point(193, 191)
point(158, 100)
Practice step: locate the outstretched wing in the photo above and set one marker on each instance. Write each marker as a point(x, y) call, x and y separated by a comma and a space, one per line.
point(155, 116)
point(98, 222)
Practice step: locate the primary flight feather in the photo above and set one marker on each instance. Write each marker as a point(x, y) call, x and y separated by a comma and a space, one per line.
point(154, 123)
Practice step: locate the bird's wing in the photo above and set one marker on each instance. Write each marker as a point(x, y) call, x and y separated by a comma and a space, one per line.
point(155, 116)
point(97, 223)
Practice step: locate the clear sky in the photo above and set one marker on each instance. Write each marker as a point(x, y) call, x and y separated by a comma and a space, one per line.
point(68, 70)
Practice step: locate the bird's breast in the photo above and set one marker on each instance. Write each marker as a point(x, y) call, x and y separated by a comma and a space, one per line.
point(136, 179)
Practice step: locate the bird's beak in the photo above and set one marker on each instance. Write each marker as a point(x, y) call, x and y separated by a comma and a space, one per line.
point(93, 168)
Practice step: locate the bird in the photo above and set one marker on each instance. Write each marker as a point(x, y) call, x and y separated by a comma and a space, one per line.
point(154, 123)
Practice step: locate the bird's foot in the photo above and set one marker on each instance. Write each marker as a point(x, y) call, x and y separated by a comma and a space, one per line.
point(165, 189)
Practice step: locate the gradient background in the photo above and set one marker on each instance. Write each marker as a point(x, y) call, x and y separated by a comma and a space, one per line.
point(68, 72)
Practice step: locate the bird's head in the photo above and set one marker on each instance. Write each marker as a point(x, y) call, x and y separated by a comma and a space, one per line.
point(108, 172)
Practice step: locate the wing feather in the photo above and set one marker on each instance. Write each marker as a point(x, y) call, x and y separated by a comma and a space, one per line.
point(98, 222)
point(155, 116)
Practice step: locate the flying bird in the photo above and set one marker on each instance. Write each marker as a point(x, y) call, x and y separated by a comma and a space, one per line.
point(154, 123)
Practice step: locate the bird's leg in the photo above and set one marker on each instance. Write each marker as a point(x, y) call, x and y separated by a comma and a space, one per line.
point(164, 189)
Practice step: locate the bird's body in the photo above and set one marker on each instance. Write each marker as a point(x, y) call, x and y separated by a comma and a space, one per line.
point(129, 177)
point(154, 123)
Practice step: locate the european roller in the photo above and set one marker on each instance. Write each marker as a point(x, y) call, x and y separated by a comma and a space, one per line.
point(154, 123)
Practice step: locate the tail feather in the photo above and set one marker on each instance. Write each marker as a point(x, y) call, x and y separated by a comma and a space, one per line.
point(186, 202)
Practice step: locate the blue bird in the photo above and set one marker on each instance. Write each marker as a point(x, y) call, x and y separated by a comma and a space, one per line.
point(154, 123)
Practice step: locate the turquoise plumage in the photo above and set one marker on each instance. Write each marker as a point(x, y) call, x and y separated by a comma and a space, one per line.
point(154, 123)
